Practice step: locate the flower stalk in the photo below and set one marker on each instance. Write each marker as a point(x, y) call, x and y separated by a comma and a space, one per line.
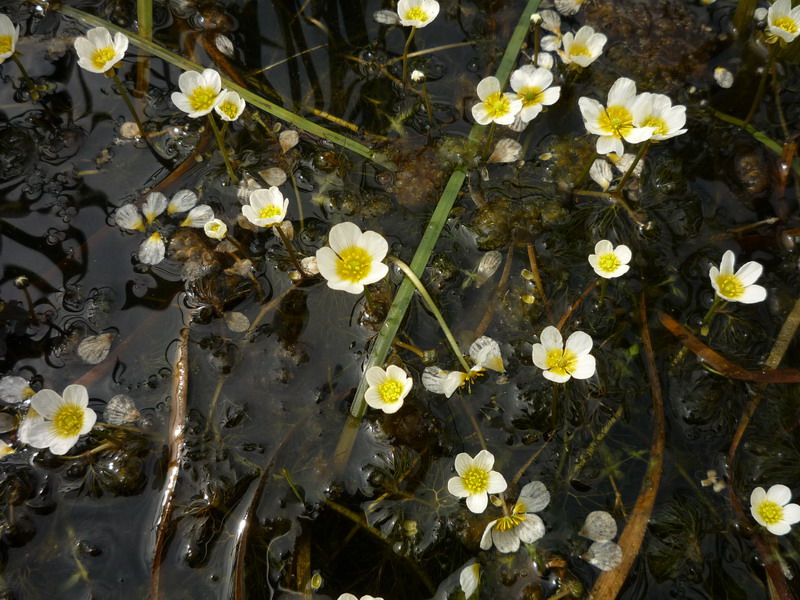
point(642, 151)
point(762, 84)
point(290, 250)
point(124, 93)
point(33, 89)
point(405, 54)
point(221, 144)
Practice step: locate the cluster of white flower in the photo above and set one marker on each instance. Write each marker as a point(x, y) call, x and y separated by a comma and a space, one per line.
point(202, 92)
point(532, 91)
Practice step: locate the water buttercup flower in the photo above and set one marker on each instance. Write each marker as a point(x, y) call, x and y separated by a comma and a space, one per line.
point(610, 262)
point(739, 286)
point(484, 352)
point(532, 86)
point(267, 207)
point(387, 388)
point(561, 361)
point(215, 229)
point(783, 21)
point(619, 120)
point(417, 13)
point(64, 418)
point(9, 34)
point(495, 106)
point(476, 480)
point(521, 525)
point(200, 92)
point(98, 52)
point(582, 49)
point(771, 509)
point(353, 259)
point(230, 106)
point(666, 120)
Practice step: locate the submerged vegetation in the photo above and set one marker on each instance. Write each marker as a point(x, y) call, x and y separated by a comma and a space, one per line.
point(380, 300)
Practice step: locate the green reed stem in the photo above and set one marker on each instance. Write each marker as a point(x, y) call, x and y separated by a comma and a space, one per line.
point(762, 84)
point(405, 54)
point(32, 89)
point(124, 93)
point(642, 150)
point(427, 100)
point(223, 149)
point(290, 250)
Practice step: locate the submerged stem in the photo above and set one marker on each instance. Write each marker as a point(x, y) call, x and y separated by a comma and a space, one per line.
point(290, 250)
point(632, 168)
point(221, 144)
point(28, 81)
point(405, 55)
point(762, 84)
point(124, 93)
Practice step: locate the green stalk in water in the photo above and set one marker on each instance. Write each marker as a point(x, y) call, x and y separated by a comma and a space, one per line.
point(33, 89)
point(124, 93)
point(221, 144)
point(290, 250)
point(773, 53)
point(642, 150)
point(405, 54)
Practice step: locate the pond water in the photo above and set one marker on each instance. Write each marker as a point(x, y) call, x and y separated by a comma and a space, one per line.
point(250, 467)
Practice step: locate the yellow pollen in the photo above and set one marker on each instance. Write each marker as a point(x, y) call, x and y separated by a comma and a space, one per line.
point(508, 522)
point(354, 265)
point(5, 44)
point(202, 98)
point(415, 13)
point(530, 96)
point(497, 105)
point(787, 24)
point(770, 512)
point(561, 362)
point(579, 50)
point(229, 108)
point(214, 227)
point(658, 124)
point(730, 286)
point(475, 480)
point(270, 212)
point(616, 121)
point(68, 421)
point(390, 390)
point(608, 262)
point(101, 56)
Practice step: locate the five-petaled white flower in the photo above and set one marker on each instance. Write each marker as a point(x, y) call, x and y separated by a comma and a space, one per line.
point(619, 120)
point(200, 92)
point(495, 106)
point(561, 361)
point(609, 262)
point(476, 480)
point(783, 21)
point(216, 229)
point(532, 86)
point(64, 419)
point(583, 48)
point(521, 525)
point(772, 510)
point(417, 13)
point(352, 259)
point(485, 354)
point(230, 106)
point(387, 388)
point(739, 286)
point(98, 52)
point(666, 120)
point(9, 34)
point(266, 207)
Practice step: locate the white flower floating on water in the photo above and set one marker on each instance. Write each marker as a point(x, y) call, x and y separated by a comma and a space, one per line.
point(495, 106)
point(9, 34)
point(387, 388)
point(200, 92)
point(666, 120)
point(476, 480)
point(521, 525)
point(619, 120)
point(739, 286)
point(484, 352)
point(98, 52)
point(532, 86)
point(582, 49)
point(561, 361)
point(352, 259)
point(783, 21)
point(63, 419)
point(266, 208)
point(417, 13)
point(230, 106)
point(216, 229)
point(601, 528)
point(771, 509)
point(609, 262)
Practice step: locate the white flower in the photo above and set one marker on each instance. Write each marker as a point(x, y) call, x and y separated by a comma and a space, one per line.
point(64, 419)
point(216, 229)
point(14, 389)
point(739, 286)
point(182, 201)
point(152, 249)
point(772, 510)
point(469, 578)
point(618, 120)
point(783, 21)
point(353, 259)
point(601, 174)
point(495, 106)
point(97, 52)
point(560, 361)
point(665, 119)
point(417, 76)
point(484, 352)
point(609, 262)
point(417, 13)
point(387, 388)
point(154, 204)
point(521, 525)
point(230, 106)
point(198, 216)
point(266, 208)
point(200, 92)
point(545, 60)
point(582, 49)
point(476, 480)
point(532, 86)
point(9, 34)
point(439, 381)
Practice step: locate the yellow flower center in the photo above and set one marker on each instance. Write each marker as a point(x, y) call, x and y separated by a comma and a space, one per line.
point(354, 265)
point(770, 512)
point(608, 262)
point(508, 522)
point(475, 480)
point(658, 124)
point(730, 285)
point(5, 44)
point(787, 24)
point(497, 105)
point(561, 362)
point(390, 391)
point(101, 56)
point(579, 50)
point(229, 108)
point(202, 98)
point(270, 212)
point(616, 120)
point(68, 421)
point(530, 95)
point(415, 13)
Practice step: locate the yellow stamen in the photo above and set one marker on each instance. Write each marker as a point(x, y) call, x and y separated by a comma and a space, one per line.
point(202, 98)
point(787, 24)
point(229, 108)
point(5, 44)
point(770, 512)
point(390, 391)
point(354, 265)
point(616, 121)
point(497, 105)
point(658, 124)
point(415, 13)
point(68, 421)
point(579, 50)
point(530, 95)
point(561, 362)
point(270, 212)
point(608, 262)
point(508, 522)
point(730, 286)
point(101, 56)
point(475, 480)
